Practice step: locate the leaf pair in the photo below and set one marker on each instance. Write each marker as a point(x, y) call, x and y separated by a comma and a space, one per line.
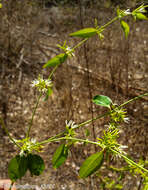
point(89, 166)
point(19, 165)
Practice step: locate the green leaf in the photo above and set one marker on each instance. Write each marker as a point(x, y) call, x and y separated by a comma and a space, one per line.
point(125, 28)
point(60, 156)
point(91, 164)
point(17, 167)
point(141, 16)
point(35, 164)
point(56, 60)
point(102, 100)
point(49, 92)
point(85, 33)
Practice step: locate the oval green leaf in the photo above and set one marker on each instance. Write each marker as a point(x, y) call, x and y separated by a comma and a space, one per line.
point(17, 167)
point(56, 60)
point(102, 100)
point(91, 164)
point(60, 156)
point(84, 33)
point(125, 28)
point(141, 16)
point(35, 164)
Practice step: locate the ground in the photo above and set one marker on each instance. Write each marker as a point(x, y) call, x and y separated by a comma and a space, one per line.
point(116, 68)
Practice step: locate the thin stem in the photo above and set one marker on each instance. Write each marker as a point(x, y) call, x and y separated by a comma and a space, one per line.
point(93, 119)
point(129, 160)
point(108, 113)
point(102, 27)
point(58, 135)
point(96, 143)
point(141, 7)
point(123, 169)
point(80, 43)
point(80, 125)
point(68, 138)
point(110, 22)
point(11, 185)
point(7, 132)
point(98, 117)
point(33, 114)
point(133, 99)
point(52, 72)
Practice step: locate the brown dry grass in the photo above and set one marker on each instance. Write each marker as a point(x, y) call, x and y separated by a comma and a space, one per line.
point(117, 68)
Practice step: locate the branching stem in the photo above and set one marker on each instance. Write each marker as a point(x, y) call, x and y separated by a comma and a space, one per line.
point(131, 162)
point(101, 116)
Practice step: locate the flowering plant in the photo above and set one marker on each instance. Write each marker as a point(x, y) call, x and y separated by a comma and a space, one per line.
point(27, 159)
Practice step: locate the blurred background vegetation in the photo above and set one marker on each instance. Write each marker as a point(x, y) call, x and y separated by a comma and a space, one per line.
point(29, 33)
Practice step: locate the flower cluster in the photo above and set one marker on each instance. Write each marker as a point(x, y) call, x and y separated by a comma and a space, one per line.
point(42, 84)
point(71, 124)
point(142, 10)
point(28, 145)
point(139, 10)
point(121, 149)
point(127, 12)
point(26, 148)
point(69, 51)
point(119, 115)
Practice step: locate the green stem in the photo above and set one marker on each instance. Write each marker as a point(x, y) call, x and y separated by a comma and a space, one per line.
point(103, 27)
point(96, 143)
point(98, 117)
point(93, 119)
point(109, 112)
point(33, 114)
point(69, 138)
point(129, 160)
point(52, 72)
point(7, 132)
point(133, 99)
point(80, 43)
point(141, 7)
point(110, 22)
point(123, 169)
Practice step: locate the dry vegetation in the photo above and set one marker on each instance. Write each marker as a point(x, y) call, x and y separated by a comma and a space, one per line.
point(114, 67)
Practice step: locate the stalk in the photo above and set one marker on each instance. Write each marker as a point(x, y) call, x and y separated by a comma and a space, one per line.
point(33, 114)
